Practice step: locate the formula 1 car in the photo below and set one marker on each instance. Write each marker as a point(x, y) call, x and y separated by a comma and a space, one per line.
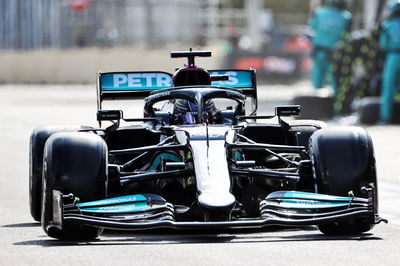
point(196, 160)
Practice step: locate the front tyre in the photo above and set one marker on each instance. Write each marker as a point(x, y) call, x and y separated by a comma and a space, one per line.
point(76, 163)
point(38, 139)
point(343, 162)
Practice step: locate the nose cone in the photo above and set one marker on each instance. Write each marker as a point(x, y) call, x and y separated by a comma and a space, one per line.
point(213, 200)
point(212, 171)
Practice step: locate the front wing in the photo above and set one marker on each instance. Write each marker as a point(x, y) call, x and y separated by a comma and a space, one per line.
point(148, 211)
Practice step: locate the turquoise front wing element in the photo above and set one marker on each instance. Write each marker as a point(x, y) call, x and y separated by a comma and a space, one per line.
point(122, 208)
point(113, 201)
point(307, 204)
point(237, 79)
point(306, 196)
point(306, 200)
point(135, 81)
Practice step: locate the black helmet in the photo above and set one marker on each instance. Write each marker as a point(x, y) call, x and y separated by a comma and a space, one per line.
point(191, 75)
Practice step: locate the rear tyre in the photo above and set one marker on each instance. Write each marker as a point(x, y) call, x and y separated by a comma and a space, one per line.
point(38, 139)
point(305, 129)
point(343, 161)
point(76, 163)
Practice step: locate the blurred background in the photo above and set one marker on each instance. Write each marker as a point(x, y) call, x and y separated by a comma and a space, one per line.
point(68, 41)
point(51, 50)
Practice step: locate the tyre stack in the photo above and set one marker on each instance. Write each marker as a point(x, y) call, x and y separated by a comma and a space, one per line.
point(315, 104)
point(368, 110)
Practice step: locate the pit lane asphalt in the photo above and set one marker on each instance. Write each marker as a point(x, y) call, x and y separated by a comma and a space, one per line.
point(22, 241)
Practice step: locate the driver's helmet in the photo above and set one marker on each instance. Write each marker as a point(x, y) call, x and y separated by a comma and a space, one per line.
point(190, 76)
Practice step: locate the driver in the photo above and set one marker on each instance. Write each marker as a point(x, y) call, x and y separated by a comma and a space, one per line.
point(191, 76)
point(188, 110)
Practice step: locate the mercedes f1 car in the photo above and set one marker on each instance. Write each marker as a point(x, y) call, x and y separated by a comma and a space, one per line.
point(199, 158)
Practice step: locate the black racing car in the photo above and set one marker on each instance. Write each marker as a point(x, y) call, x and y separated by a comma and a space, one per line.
point(197, 160)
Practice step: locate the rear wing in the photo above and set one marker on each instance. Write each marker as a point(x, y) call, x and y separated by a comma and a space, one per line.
point(130, 85)
point(133, 85)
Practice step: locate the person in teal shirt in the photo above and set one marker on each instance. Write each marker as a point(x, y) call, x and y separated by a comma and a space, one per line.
point(389, 42)
point(329, 23)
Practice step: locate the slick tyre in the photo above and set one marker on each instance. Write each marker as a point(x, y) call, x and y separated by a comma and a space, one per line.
point(305, 129)
point(38, 139)
point(74, 162)
point(343, 161)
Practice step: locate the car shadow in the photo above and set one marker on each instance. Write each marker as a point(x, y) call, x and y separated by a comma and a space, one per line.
point(21, 225)
point(171, 237)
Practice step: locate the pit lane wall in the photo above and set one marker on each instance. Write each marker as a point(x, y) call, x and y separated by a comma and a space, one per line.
point(79, 66)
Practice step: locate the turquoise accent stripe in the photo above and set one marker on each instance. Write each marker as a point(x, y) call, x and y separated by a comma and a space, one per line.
point(306, 196)
point(305, 204)
point(166, 156)
point(237, 79)
point(113, 201)
point(124, 208)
